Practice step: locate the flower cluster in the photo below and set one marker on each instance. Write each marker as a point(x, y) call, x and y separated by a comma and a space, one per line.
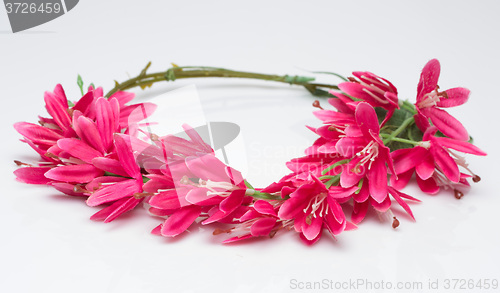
point(368, 150)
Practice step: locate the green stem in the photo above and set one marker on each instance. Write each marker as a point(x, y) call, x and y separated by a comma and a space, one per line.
point(176, 72)
point(399, 130)
point(412, 142)
point(263, 195)
point(408, 106)
point(332, 181)
point(334, 166)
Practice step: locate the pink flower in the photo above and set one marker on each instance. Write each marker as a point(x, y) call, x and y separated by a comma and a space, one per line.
point(369, 157)
point(261, 219)
point(373, 89)
point(362, 200)
point(336, 123)
point(312, 206)
point(430, 100)
point(433, 161)
point(214, 188)
point(74, 136)
point(315, 164)
point(122, 192)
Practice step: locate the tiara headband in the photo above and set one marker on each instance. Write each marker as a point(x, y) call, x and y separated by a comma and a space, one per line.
point(370, 144)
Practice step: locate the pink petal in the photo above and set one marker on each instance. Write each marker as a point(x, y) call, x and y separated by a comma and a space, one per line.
point(262, 227)
point(264, 208)
point(157, 230)
point(57, 110)
point(446, 163)
point(113, 211)
point(114, 192)
point(406, 159)
point(84, 103)
point(217, 215)
point(359, 211)
point(67, 188)
point(359, 91)
point(396, 195)
point(337, 192)
point(309, 242)
point(367, 119)
point(98, 182)
point(425, 168)
point(237, 238)
point(349, 146)
point(325, 132)
point(109, 165)
point(421, 121)
point(74, 173)
point(87, 131)
point(166, 200)
point(196, 138)
point(123, 97)
point(363, 193)
point(348, 177)
point(311, 231)
point(60, 95)
point(340, 105)
point(333, 226)
point(294, 205)
point(350, 226)
point(429, 133)
point(235, 177)
point(199, 197)
point(78, 149)
point(41, 151)
point(377, 177)
point(98, 92)
point(249, 215)
point(233, 201)
point(158, 182)
point(428, 186)
point(37, 133)
point(107, 119)
point(179, 221)
point(336, 210)
point(126, 156)
point(135, 113)
point(402, 180)
point(456, 97)
point(331, 116)
point(174, 144)
point(382, 206)
point(32, 175)
point(428, 79)
point(208, 167)
point(460, 146)
point(376, 80)
point(447, 124)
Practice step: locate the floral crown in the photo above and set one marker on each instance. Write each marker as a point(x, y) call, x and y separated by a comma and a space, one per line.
point(367, 150)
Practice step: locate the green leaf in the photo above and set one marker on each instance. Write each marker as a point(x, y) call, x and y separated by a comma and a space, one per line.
point(412, 132)
point(79, 82)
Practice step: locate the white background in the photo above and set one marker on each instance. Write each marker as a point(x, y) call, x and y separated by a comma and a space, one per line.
point(48, 244)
